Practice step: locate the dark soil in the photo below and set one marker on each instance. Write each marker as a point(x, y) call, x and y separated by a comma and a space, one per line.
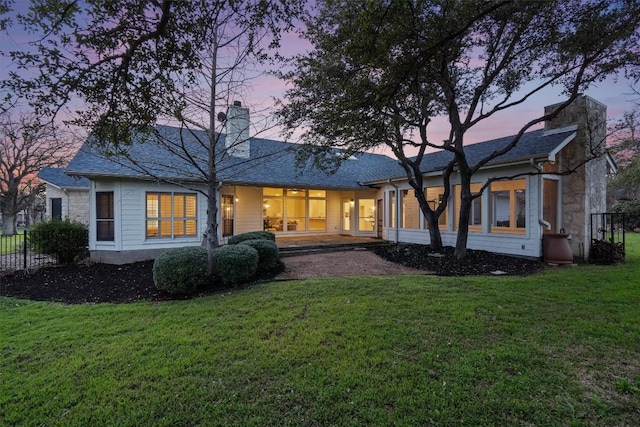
point(444, 263)
point(99, 283)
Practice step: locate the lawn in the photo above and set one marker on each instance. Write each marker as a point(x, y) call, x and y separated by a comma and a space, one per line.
point(10, 244)
point(558, 348)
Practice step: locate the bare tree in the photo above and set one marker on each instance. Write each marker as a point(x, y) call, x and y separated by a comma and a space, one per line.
point(143, 62)
point(26, 146)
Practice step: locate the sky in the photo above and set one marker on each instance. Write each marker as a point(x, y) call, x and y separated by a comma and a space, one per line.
point(262, 91)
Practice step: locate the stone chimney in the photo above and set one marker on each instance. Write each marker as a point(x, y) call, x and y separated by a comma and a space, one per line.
point(584, 191)
point(237, 139)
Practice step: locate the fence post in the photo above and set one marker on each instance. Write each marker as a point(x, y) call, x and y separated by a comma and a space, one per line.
point(24, 248)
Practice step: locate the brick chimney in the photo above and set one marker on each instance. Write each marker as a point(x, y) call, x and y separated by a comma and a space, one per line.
point(237, 138)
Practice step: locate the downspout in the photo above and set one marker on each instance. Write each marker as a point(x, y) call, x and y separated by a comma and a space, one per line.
point(397, 224)
point(541, 220)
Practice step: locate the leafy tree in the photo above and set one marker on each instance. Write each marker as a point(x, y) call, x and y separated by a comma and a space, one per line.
point(625, 148)
point(133, 63)
point(26, 146)
point(381, 71)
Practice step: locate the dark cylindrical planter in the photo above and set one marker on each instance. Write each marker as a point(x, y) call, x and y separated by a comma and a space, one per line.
point(556, 249)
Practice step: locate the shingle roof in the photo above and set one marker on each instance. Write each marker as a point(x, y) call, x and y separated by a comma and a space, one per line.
point(273, 163)
point(59, 178)
point(537, 144)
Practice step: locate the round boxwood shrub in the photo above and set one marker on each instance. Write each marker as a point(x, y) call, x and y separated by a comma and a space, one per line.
point(252, 235)
point(235, 263)
point(267, 253)
point(62, 239)
point(181, 270)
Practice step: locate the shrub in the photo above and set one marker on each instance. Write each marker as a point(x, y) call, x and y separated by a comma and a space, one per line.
point(252, 235)
point(181, 270)
point(631, 211)
point(63, 239)
point(267, 253)
point(235, 263)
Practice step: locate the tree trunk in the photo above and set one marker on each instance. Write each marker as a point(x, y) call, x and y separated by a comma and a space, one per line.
point(212, 184)
point(432, 220)
point(463, 227)
point(8, 224)
point(9, 215)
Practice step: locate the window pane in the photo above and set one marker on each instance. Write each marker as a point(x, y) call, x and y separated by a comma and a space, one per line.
point(104, 205)
point(165, 206)
point(152, 228)
point(178, 206)
point(190, 202)
point(276, 192)
point(190, 229)
point(366, 214)
point(476, 212)
point(296, 214)
point(392, 209)
point(317, 215)
point(165, 228)
point(410, 210)
point(105, 230)
point(178, 228)
point(317, 193)
point(435, 196)
point(501, 209)
point(296, 193)
point(521, 209)
point(152, 206)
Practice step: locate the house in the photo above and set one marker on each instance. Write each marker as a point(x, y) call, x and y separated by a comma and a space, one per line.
point(154, 199)
point(67, 197)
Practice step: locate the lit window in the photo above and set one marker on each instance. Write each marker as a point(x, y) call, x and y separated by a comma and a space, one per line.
point(508, 206)
point(435, 197)
point(366, 214)
point(475, 216)
point(410, 214)
point(171, 215)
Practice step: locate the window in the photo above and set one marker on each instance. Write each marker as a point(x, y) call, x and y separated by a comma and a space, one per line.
point(475, 216)
point(410, 210)
point(227, 216)
point(294, 209)
point(56, 208)
point(508, 206)
point(104, 216)
point(366, 214)
point(435, 197)
point(392, 209)
point(171, 215)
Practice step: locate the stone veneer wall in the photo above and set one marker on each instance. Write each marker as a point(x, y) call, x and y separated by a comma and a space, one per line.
point(583, 192)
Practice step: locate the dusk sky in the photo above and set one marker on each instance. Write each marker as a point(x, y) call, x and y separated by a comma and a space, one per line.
point(262, 91)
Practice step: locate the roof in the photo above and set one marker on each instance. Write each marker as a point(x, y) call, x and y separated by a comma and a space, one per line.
point(538, 144)
point(272, 163)
point(58, 178)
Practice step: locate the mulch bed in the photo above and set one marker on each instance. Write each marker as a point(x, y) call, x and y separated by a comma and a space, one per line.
point(99, 283)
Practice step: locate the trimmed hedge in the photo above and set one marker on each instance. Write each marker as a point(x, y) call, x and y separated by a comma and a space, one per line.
point(235, 264)
point(181, 270)
point(252, 235)
point(267, 253)
point(63, 239)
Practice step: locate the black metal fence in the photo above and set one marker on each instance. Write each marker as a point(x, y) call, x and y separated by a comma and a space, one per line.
point(607, 237)
point(25, 251)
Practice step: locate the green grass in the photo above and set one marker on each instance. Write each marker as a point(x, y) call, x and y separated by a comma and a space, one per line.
point(557, 348)
point(10, 244)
